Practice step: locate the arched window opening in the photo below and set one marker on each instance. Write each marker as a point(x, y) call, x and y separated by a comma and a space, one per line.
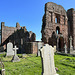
point(57, 30)
point(57, 18)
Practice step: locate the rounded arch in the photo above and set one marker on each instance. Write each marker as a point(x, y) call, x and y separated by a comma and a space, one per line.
point(57, 30)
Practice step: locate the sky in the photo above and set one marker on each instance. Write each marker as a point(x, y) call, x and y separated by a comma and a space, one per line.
point(28, 13)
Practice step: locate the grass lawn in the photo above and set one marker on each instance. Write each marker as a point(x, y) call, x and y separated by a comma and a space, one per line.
point(31, 65)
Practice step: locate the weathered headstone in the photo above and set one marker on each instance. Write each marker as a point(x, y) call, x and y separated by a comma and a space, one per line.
point(2, 66)
point(65, 49)
point(10, 51)
point(15, 57)
point(39, 44)
point(47, 56)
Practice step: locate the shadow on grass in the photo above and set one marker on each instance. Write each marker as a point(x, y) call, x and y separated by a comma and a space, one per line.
point(65, 54)
point(6, 61)
point(68, 65)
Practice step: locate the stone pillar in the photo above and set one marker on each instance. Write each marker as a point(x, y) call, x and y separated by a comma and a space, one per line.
point(70, 42)
point(50, 17)
point(53, 18)
point(66, 19)
point(74, 31)
point(47, 19)
point(71, 47)
point(60, 19)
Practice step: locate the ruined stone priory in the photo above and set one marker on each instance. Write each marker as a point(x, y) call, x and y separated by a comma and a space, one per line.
point(20, 37)
point(58, 25)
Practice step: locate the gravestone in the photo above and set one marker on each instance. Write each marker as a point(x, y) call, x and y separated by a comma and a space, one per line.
point(47, 56)
point(2, 71)
point(39, 44)
point(10, 51)
point(65, 49)
point(15, 57)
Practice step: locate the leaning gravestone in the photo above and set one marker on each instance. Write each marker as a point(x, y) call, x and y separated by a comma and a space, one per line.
point(15, 57)
point(10, 51)
point(47, 56)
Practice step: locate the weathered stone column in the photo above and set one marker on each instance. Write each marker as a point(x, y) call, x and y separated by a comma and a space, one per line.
point(66, 19)
point(53, 17)
point(71, 47)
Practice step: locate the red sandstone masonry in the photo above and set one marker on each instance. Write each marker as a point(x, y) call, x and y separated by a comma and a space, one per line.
point(49, 26)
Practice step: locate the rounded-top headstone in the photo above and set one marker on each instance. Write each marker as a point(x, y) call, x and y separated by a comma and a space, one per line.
point(10, 51)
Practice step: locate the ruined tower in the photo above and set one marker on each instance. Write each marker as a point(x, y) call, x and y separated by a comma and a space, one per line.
point(71, 25)
point(54, 27)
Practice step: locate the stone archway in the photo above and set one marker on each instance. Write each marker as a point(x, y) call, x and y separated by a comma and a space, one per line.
point(61, 44)
point(57, 30)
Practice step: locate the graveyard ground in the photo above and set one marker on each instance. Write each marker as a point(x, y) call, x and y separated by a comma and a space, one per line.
point(31, 65)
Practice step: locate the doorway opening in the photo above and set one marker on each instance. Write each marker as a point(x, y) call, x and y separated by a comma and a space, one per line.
point(57, 30)
point(61, 44)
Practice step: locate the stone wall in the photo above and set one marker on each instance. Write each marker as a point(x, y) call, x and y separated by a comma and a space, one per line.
point(54, 25)
point(17, 35)
point(6, 31)
point(71, 22)
point(30, 47)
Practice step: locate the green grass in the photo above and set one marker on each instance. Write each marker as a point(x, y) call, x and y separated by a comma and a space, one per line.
point(65, 64)
point(31, 65)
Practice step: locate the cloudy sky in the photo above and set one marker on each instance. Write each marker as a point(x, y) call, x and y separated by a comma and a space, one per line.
point(28, 13)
